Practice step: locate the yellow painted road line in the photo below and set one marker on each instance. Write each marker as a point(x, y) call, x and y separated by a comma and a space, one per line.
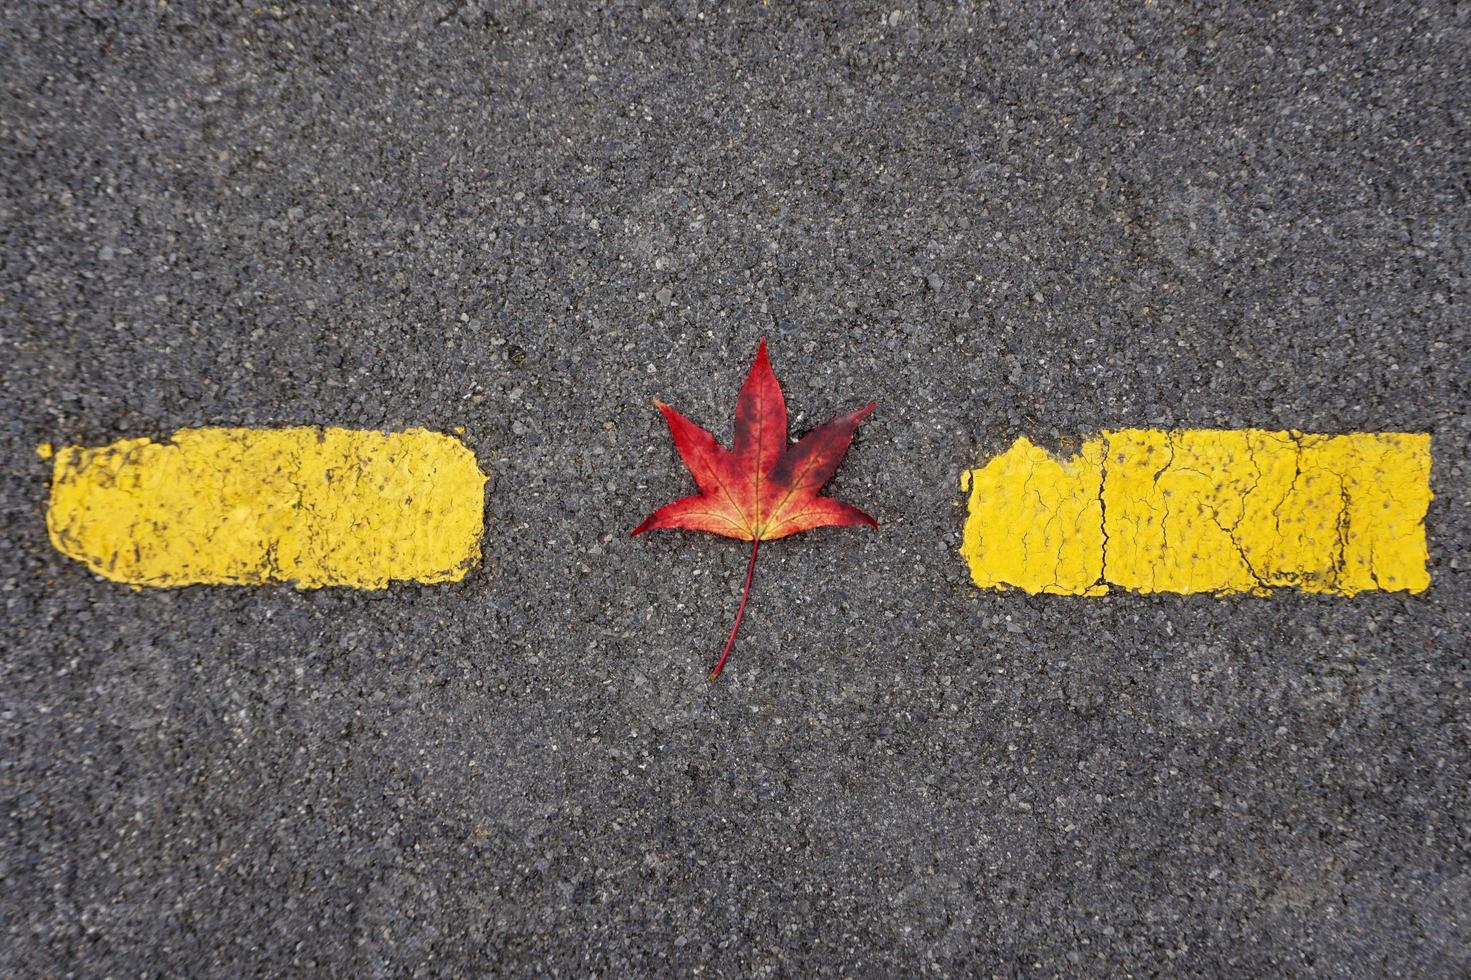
point(306, 505)
point(1222, 511)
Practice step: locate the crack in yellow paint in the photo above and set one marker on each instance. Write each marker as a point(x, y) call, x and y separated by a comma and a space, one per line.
point(1222, 511)
point(241, 506)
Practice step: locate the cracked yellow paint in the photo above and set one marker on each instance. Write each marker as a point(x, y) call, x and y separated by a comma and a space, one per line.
point(1035, 521)
point(1223, 511)
point(307, 505)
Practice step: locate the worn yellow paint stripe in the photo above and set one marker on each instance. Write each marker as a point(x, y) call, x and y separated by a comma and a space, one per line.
point(1223, 511)
point(306, 505)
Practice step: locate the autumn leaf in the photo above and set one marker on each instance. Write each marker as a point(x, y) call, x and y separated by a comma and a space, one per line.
point(763, 488)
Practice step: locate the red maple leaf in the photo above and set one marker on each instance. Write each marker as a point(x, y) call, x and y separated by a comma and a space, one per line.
point(764, 488)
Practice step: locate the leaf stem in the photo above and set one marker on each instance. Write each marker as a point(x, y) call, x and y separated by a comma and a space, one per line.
point(745, 594)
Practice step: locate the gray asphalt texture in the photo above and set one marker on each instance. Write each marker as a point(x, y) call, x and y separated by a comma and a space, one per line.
point(529, 221)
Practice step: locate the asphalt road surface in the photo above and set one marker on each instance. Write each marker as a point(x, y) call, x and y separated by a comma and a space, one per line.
point(528, 220)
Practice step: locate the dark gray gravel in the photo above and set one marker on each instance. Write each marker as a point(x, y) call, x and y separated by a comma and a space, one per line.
point(529, 221)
